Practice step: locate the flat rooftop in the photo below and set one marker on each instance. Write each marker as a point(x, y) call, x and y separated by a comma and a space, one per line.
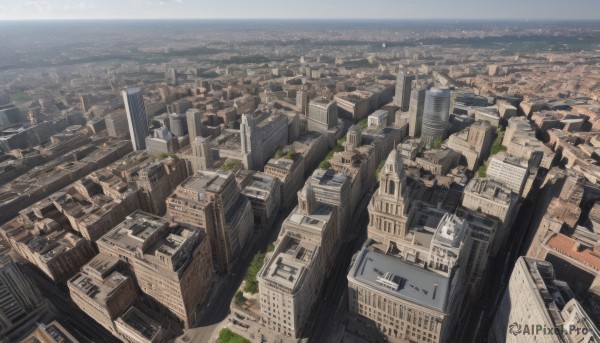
point(140, 323)
point(290, 263)
point(401, 279)
point(99, 290)
point(137, 231)
point(316, 220)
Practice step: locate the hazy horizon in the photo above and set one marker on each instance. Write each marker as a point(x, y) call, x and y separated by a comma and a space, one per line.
point(554, 10)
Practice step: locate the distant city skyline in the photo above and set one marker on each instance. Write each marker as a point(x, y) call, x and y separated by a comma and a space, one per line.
point(296, 9)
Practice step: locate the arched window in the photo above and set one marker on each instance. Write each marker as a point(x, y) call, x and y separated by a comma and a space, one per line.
point(391, 187)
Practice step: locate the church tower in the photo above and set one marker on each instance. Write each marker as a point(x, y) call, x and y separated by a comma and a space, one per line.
point(388, 212)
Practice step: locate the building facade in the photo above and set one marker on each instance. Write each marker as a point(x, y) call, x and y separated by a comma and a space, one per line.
point(136, 117)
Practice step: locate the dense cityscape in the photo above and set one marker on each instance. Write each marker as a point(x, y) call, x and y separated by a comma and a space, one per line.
point(282, 181)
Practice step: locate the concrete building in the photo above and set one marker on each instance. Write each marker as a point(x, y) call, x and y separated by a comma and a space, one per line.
point(102, 292)
point(322, 115)
point(116, 124)
point(260, 137)
point(508, 170)
point(213, 202)
point(163, 257)
point(535, 297)
point(202, 156)
point(95, 204)
point(403, 90)
point(435, 115)
point(136, 327)
point(264, 193)
point(483, 231)
point(161, 142)
point(136, 117)
point(291, 174)
point(291, 279)
point(21, 301)
point(302, 102)
point(52, 332)
point(335, 189)
point(473, 143)
point(56, 252)
point(178, 124)
point(415, 110)
point(194, 124)
point(494, 200)
point(575, 258)
point(438, 161)
point(403, 301)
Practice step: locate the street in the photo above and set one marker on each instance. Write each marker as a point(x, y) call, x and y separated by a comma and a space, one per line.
point(225, 288)
point(482, 312)
point(335, 287)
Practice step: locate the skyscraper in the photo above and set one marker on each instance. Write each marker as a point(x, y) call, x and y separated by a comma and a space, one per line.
point(415, 110)
point(194, 124)
point(436, 113)
point(403, 88)
point(136, 117)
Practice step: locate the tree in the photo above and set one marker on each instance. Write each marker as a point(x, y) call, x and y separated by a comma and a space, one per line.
point(251, 284)
point(240, 298)
point(228, 336)
point(482, 171)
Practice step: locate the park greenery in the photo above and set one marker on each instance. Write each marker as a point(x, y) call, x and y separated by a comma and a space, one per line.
point(251, 283)
point(497, 145)
point(291, 154)
point(228, 336)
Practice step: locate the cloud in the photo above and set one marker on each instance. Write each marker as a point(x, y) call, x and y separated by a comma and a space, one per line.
point(82, 6)
point(38, 5)
point(158, 2)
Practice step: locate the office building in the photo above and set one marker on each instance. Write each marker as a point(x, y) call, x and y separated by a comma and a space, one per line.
point(194, 124)
point(21, 301)
point(302, 101)
point(290, 282)
point(535, 298)
point(164, 257)
point(261, 136)
point(403, 301)
point(178, 124)
point(101, 291)
point(403, 90)
point(435, 115)
point(508, 170)
point(213, 202)
point(322, 115)
point(136, 117)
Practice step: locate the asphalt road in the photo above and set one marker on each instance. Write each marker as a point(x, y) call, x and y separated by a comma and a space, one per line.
point(483, 311)
point(330, 310)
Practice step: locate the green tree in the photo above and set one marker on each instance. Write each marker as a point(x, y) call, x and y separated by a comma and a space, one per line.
point(482, 171)
point(240, 298)
point(251, 284)
point(228, 336)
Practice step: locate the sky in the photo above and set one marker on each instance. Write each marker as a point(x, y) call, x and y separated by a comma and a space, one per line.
point(299, 9)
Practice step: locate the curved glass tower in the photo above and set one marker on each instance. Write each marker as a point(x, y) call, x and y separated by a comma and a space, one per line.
point(436, 113)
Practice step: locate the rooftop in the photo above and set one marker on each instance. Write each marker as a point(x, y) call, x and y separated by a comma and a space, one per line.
point(575, 250)
point(101, 290)
point(290, 263)
point(401, 279)
point(137, 321)
point(137, 231)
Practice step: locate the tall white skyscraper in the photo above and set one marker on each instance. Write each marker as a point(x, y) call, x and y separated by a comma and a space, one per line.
point(136, 117)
